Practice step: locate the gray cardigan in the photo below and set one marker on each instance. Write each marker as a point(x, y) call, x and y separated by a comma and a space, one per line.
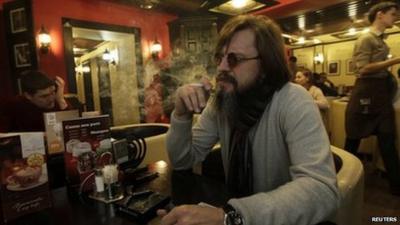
point(294, 175)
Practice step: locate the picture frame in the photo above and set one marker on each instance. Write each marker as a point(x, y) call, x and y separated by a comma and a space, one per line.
point(22, 55)
point(18, 20)
point(333, 68)
point(350, 67)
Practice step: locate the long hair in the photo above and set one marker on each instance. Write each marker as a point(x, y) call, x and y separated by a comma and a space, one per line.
point(308, 74)
point(269, 43)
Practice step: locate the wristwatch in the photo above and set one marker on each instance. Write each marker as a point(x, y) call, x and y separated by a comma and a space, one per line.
point(231, 216)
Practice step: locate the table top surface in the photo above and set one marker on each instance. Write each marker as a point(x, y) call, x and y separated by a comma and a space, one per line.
point(183, 187)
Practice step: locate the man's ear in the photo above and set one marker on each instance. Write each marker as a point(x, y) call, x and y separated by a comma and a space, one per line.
point(27, 96)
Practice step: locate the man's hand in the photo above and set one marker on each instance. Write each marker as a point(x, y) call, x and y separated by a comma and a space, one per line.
point(191, 98)
point(60, 93)
point(191, 215)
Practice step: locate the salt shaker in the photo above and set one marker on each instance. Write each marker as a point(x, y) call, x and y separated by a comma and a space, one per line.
point(99, 181)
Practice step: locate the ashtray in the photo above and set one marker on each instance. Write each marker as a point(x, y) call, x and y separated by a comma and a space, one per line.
point(142, 207)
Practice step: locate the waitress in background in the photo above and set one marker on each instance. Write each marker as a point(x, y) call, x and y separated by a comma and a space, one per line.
point(304, 77)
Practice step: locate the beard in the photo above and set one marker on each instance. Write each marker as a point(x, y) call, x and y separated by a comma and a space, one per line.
point(230, 104)
point(226, 103)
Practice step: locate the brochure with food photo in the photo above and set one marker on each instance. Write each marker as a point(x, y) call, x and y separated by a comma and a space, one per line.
point(87, 145)
point(24, 180)
point(53, 126)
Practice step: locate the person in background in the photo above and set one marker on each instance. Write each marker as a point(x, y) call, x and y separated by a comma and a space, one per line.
point(275, 151)
point(327, 87)
point(370, 110)
point(293, 66)
point(304, 77)
point(39, 94)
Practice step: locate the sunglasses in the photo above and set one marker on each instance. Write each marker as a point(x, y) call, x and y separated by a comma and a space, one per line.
point(232, 59)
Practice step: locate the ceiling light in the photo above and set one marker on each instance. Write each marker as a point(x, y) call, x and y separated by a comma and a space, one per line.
point(302, 22)
point(236, 7)
point(238, 3)
point(146, 4)
point(352, 9)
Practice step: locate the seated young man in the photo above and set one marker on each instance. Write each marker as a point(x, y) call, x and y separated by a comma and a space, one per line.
point(40, 94)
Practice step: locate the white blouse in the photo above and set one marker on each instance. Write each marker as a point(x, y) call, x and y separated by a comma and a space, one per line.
point(319, 97)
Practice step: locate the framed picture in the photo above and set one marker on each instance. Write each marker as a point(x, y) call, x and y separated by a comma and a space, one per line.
point(333, 67)
point(22, 55)
point(18, 21)
point(350, 67)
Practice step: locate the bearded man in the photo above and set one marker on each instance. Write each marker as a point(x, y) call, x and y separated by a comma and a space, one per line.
point(275, 150)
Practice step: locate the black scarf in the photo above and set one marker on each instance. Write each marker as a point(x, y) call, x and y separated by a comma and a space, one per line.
point(252, 105)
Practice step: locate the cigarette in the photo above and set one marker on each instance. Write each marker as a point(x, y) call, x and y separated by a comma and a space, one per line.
point(196, 84)
point(201, 85)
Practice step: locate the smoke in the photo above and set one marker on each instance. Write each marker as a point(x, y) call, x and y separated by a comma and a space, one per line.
point(177, 69)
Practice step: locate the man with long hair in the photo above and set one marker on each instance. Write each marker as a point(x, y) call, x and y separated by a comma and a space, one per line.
point(275, 151)
point(370, 110)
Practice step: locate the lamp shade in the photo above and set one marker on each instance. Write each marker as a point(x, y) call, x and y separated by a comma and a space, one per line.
point(44, 40)
point(156, 47)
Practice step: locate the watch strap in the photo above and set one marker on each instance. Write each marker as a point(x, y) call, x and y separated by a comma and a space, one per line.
point(232, 217)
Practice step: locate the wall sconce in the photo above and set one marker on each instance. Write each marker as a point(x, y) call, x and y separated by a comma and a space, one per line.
point(109, 57)
point(155, 49)
point(319, 58)
point(44, 40)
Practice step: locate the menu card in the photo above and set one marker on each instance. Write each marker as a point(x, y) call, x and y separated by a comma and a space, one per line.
point(87, 145)
point(54, 131)
point(24, 181)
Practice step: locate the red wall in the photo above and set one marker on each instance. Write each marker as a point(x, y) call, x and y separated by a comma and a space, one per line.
point(49, 14)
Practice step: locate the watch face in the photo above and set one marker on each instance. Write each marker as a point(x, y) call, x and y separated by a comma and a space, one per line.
point(232, 217)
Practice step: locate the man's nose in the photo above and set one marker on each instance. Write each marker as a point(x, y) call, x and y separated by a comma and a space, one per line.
point(223, 65)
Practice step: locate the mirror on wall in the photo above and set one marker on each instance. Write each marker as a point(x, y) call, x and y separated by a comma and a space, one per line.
point(104, 63)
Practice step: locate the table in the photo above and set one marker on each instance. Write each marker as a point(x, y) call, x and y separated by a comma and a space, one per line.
point(184, 187)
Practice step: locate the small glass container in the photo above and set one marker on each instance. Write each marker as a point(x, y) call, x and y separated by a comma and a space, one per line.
point(99, 181)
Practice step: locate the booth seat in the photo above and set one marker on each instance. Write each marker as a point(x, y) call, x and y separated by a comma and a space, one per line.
point(154, 135)
point(350, 178)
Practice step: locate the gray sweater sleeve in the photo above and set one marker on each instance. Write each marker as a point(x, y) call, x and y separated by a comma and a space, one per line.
point(311, 196)
point(187, 146)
